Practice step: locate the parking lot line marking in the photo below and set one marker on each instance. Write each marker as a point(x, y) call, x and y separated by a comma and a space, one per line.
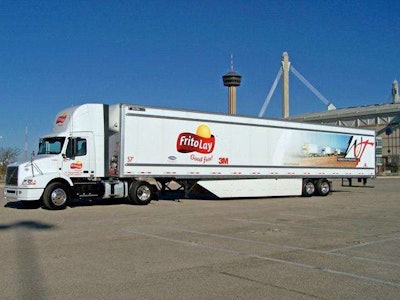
point(283, 246)
point(308, 295)
point(302, 227)
point(300, 215)
point(365, 244)
point(251, 255)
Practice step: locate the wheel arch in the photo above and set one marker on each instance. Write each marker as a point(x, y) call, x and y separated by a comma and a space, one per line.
point(59, 179)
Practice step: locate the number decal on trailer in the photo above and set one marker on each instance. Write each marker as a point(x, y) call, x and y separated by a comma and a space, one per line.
point(131, 159)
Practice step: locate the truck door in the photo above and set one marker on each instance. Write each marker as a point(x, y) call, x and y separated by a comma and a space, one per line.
point(78, 156)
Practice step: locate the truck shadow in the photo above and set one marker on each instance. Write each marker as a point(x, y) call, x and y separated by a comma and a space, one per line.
point(85, 202)
point(175, 196)
point(170, 196)
point(97, 202)
point(23, 204)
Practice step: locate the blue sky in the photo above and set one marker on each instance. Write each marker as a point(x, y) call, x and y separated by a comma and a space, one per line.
point(55, 54)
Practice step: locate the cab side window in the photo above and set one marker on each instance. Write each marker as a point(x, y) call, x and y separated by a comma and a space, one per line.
point(80, 147)
point(76, 147)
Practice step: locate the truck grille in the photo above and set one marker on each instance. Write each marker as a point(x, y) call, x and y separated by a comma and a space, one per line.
point(12, 176)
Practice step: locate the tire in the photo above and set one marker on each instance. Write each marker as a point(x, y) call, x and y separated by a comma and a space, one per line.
point(308, 188)
point(56, 196)
point(140, 193)
point(323, 187)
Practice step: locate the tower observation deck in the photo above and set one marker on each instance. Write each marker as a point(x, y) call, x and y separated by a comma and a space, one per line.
point(232, 80)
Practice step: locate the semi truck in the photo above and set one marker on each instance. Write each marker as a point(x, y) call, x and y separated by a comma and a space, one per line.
point(136, 152)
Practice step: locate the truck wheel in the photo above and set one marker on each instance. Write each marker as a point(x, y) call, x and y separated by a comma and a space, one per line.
point(55, 196)
point(308, 188)
point(140, 193)
point(323, 187)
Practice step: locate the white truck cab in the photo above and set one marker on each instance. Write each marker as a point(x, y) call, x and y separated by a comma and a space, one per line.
point(73, 152)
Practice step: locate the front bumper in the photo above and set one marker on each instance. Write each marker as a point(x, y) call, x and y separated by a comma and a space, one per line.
point(22, 193)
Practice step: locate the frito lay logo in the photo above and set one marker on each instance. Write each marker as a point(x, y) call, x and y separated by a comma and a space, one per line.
point(76, 165)
point(203, 141)
point(61, 118)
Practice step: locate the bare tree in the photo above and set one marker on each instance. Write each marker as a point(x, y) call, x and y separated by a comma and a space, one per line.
point(7, 155)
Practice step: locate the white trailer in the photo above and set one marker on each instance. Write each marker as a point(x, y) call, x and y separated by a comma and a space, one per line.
point(121, 150)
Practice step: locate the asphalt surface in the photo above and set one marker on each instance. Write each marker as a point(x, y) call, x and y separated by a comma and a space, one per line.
point(343, 246)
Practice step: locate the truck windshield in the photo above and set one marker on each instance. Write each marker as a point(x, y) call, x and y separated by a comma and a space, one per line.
point(51, 145)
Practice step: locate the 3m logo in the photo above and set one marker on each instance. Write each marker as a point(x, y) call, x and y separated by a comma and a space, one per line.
point(223, 161)
point(202, 142)
point(61, 119)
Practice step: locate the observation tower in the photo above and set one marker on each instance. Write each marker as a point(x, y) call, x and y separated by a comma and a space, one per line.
point(232, 80)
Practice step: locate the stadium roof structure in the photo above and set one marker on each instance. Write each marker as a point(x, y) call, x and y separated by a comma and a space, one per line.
point(377, 115)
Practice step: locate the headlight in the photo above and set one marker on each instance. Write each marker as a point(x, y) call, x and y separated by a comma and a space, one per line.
point(29, 182)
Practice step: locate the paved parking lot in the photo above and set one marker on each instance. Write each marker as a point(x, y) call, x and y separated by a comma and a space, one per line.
point(343, 246)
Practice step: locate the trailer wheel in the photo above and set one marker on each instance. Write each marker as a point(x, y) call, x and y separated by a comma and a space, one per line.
point(323, 187)
point(56, 196)
point(140, 193)
point(308, 188)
